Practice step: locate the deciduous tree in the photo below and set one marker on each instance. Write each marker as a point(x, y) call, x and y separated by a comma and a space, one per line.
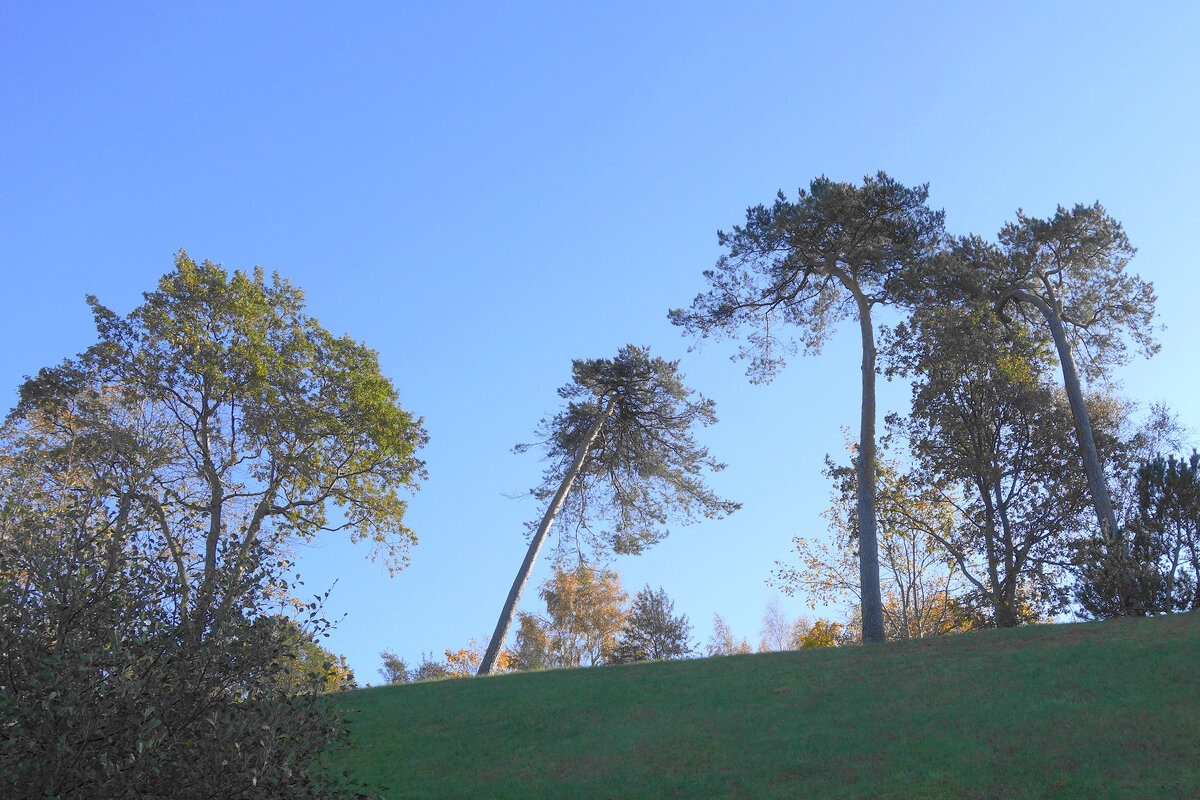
point(623, 464)
point(306, 666)
point(394, 669)
point(821, 634)
point(101, 696)
point(722, 642)
point(157, 481)
point(585, 612)
point(218, 415)
point(430, 669)
point(837, 251)
point(533, 643)
point(778, 632)
point(991, 433)
point(921, 582)
point(464, 662)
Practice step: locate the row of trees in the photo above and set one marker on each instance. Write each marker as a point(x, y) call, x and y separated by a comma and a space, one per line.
point(589, 620)
point(939, 565)
point(779, 633)
point(460, 663)
point(987, 509)
point(984, 518)
point(152, 487)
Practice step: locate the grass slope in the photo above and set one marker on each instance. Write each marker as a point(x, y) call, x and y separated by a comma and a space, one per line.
point(1095, 710)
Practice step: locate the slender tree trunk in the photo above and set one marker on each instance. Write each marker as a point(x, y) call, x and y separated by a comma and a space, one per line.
point(1169, 606)
point(1196, 572)
point(1006, 613)
point(216, 507)
point(1083, 426)
point(535, 544)
point(868, 543)
point(993, 559)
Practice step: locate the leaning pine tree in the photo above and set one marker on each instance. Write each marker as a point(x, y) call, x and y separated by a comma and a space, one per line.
point(836, 251)
point(1071, 268)
point(620, 453)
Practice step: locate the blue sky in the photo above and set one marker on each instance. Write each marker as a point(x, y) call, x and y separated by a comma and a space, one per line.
point(484, 193)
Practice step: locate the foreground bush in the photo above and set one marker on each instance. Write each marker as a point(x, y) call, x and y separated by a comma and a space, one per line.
point(106, 692)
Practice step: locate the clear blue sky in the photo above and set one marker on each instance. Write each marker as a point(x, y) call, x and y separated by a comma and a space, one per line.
point(483, 192)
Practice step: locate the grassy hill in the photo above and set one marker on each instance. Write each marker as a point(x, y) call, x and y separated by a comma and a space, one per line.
point(1095, 710)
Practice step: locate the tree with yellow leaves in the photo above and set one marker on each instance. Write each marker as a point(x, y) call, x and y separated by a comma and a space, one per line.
point(585, 612)
point(822, 634)
point(920, 580)
point(464, 662)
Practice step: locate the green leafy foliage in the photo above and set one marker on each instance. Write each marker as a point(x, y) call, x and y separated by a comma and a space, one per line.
point(1070, 271)
point(151, 489)
point(430, 669)
point(102, 695)
point(306, 666)
point(394, 669)
point(992, 435)
point(218, 410)
point(1076, 263)
point(801, 266)
point(922, 584)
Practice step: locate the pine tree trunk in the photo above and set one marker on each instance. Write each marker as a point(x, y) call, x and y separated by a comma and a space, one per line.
point(868, 544)
point(535, 545)
point(1083, 426)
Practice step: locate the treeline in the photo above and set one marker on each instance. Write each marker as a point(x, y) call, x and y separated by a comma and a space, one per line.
point(589, 620)
point(996, 504)
point(1017, 453)
point(1008, 494)
point(152, 487)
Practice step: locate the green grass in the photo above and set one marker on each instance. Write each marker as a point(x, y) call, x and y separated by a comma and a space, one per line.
point(1095, 710)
